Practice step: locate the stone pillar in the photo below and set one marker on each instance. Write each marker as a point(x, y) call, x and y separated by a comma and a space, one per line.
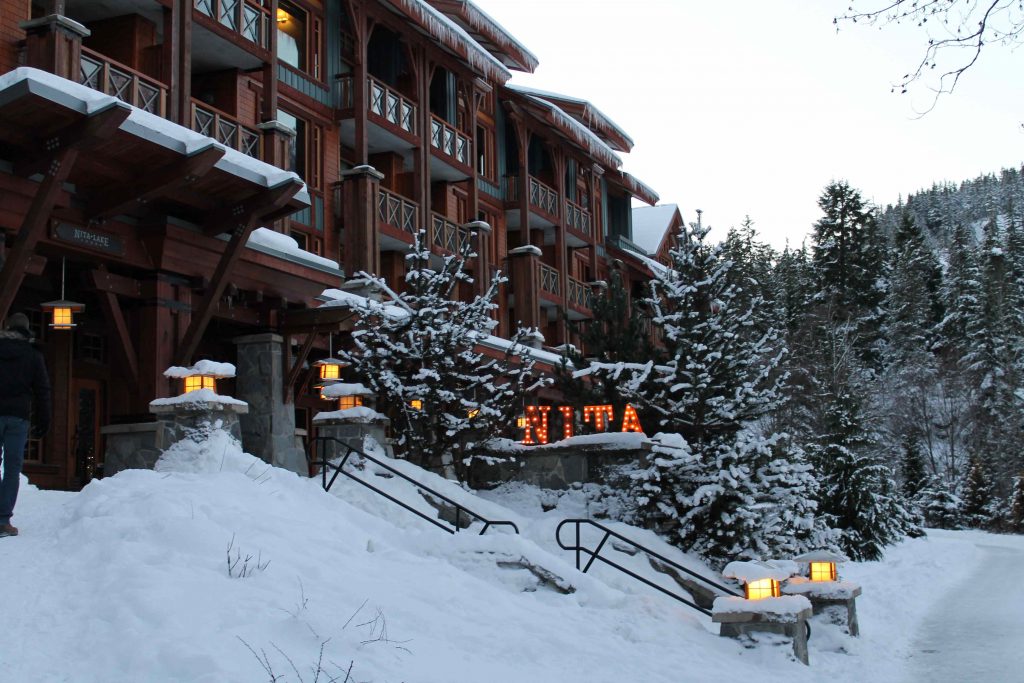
point(268, 430)
point(360, 187)
point(54, 43)
point(352, 428)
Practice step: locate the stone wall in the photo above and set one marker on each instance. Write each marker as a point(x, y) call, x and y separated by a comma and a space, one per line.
point(556, 466)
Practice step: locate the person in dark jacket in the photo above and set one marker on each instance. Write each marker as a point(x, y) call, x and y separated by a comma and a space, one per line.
point(23, 382)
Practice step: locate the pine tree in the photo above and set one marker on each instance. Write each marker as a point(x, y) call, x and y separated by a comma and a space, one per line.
point(1016, 521)
point(978, 500)
point(418, 353)
point(913, 469)
point(723, 494)
point(941, 509)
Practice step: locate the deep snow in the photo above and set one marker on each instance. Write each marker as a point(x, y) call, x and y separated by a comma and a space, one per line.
point(128, 580)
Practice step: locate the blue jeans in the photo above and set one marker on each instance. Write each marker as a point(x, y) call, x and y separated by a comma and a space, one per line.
point(13, 434)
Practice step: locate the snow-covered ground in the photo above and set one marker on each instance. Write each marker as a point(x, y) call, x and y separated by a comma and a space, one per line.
point(129, 580)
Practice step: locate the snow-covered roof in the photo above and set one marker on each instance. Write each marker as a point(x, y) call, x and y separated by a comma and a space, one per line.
point(278, 244)
point(489, 33)
point(142, 124)
point(821, 556)
point(829, 590)
point(587, 114)
point(573, 129)
point(637, 188)
point(651, 224)
point(754, 571)
point(203, 367)
point(340, 389)
point(454, 37)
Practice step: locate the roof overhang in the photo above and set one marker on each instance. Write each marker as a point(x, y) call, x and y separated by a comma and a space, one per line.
point(489, 33)
point(590, 116)
point(36, 105)
point(575, 132)
point(635, 187)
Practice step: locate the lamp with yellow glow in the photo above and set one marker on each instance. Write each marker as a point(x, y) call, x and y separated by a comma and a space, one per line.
point(62, 311)
point(416, 404)
point(202, 375)
point(196, 382)
point(329, 370)
point(761, 580)
point(282, 16)
point(347, 395)
point(821, 564)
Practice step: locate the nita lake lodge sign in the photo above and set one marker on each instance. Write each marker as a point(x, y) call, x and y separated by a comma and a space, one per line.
point(539, 422)
point(90, 239)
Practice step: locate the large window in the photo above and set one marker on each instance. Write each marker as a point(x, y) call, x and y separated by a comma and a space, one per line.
point(298, 38)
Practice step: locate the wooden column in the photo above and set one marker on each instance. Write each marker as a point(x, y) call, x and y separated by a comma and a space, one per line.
point(183, 65)
point(54, 42)
point(561, 261)
point(360, 188)
point(525, 266)
point(362, 26)
point(158, 341)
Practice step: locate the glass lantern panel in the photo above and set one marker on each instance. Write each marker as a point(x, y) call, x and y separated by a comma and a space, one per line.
point(763, 588)
point(823, 571)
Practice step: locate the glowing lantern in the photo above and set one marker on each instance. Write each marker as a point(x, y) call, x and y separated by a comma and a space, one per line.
point(762, 588)
point(282, 16)
point(346, 402)
point(196, 382)
point(473, 413)
point(62, 313)
point(416, 404)
point(822, 564)
point(600, 416)
point(330, 369)
point(760, 580)
point(630, 421)
point(348, 395)
point(568, 415)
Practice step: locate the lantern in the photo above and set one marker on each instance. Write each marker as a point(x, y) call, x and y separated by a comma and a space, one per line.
point(416, 404)
point(282, 16)
point(762, 588)
point(473, 413)
point(196, 382)
point(62, 311)
point(348, 395)
point(761, 580)
point(822, 564)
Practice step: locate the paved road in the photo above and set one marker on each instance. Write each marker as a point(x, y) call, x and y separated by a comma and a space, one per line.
point(976, 632)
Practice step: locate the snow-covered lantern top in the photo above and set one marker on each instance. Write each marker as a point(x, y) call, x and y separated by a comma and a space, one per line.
point(348, 395)
point(822, 564)
point(202, 375)
point(760, 579)
point(330, 370)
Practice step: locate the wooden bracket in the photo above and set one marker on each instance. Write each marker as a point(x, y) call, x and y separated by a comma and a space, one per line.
point(296, 368)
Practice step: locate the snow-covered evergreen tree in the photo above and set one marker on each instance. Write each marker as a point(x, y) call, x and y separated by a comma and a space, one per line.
point(979, 508)
point(418, 352)
point(1016, 511)
point(735, 490)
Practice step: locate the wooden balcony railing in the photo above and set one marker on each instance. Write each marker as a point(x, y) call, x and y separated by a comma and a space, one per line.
point(542, 196)
point(550, 280)
point(447, 235)
point(248, 18)
point(579, 294)
point(126, 84)
point(397, 211)
point(393, 107)
point(449, 141)
point(577, 217)
point(225, 129)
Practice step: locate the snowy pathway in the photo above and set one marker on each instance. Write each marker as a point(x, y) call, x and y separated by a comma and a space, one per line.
point(974, 632)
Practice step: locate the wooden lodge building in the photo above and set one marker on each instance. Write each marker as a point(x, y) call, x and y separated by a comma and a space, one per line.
point(149, 147)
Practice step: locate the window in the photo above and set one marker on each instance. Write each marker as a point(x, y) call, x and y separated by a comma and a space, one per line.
point(298, 38)
point(485, 152)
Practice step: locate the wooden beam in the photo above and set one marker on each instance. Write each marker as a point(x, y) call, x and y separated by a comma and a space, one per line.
point(175, 175)
point(103, 280)
point(34, 226)
point(241, 220)
point(84, 134)
point(112, 309)
point(296, 368)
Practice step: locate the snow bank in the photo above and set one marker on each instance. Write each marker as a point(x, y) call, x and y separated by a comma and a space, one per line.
point(755, 571)
point(217, 452)
point(830, 590)
point(198, 397)
point(354, 414)
point(203, 367)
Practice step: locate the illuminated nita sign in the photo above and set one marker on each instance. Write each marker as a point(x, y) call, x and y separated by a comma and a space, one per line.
point(536, 430)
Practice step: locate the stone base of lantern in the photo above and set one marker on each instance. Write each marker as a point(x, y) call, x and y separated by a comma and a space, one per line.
point(180, 421)
point(352, 427)
point(792, 625)
point(829, 597)
point(133, 446)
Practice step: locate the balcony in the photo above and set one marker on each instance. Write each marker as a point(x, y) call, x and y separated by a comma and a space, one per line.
point(391, 106)
point(449, 141)
point(550, 280)
point(543, 202)
point(577, 218)
point(579, 294)
point(249, 19)
point(446, 235)
point(130, 86)
point(225, 129)
point(397, 211)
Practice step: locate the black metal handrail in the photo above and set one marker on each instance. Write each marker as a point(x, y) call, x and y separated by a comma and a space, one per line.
point(595, 554)
point(338, 468)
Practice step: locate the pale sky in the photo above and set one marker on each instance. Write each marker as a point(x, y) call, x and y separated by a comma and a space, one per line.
point(752, 106)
